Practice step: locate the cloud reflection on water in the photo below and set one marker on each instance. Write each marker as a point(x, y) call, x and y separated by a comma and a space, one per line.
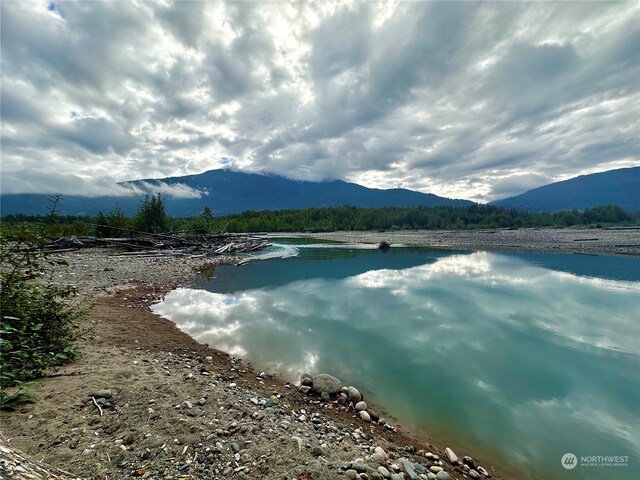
point(500, 348)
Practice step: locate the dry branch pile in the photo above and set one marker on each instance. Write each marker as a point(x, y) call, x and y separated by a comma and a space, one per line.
point(165, 244)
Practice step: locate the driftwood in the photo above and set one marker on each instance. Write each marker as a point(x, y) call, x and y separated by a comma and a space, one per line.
point(165, 244)
point(18, 466)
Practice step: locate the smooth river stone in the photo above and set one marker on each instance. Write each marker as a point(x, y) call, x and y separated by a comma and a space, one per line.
point(361, 406)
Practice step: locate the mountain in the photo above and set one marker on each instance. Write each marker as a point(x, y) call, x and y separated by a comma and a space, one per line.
point(230, 192)
point(615, 187)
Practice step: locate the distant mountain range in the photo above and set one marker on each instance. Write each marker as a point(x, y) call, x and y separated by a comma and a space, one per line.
point(614, 187)
point(226, 192)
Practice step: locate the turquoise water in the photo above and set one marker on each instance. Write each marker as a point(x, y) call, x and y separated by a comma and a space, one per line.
point(517, 358)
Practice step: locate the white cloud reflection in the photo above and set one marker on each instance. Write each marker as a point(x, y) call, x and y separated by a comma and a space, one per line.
point(497, 347)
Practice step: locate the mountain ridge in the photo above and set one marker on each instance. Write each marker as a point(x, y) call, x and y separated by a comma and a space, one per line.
point(229, 192)
point(612, 187)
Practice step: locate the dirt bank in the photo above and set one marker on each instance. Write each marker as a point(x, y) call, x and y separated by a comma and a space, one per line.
point(182, 410)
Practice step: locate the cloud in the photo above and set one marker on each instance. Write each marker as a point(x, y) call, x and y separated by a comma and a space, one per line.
point(450, 98)
point(36, 181)
point(175, 190)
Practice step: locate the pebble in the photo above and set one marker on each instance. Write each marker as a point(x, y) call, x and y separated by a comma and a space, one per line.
point(373, 414)
point(360, 406)
point(453, 458)
point(358, 465)
point(408, 469)
point(443, 476)
point(379, 455)
point(383, 471)
point(474, 474)
point(352, 474)
point(304, 389)
point(102, 394)
point(365, 416)
point(354, 394)
point(306, 380)
point(436, 469)
point(482, 471)
point(397, 476)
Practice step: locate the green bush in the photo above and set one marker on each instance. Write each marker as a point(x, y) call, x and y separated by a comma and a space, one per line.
point(152, 215)
point(39, 319)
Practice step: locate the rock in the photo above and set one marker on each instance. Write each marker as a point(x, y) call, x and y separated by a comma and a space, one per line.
point(87, 451)
point(102, 394)
point(469, 461)
point(436, 469)
point(408, 469)
point(235, 447)
point(202, 401)
point(299, 441)
point(342, 401)
point(352, 474)
point(379, 455)
point(359, 466)
point(431, 476)
point(443, 476)
point(364, 416)
point(306, 380)
point(420, 469)
point(373, 414)
point(325, 383)
point(397, 476)
point(354, 394)
point(361, 406)
point(383, 471)
point(103, 402)
point(474, 474)
point(482, 471)
point(325, 397)
point(384, 245)
point(304, 389)
point(453, 458)
point(187, 404)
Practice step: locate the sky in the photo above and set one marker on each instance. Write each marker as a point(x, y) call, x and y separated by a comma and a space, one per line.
point(461, 99)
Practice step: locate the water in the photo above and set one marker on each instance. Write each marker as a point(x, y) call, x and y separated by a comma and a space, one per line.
point(517, 358)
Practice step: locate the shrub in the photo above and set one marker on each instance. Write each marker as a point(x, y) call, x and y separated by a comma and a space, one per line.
point(39, 320)
point(152, 215)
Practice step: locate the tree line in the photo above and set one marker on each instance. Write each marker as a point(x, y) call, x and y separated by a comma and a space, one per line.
point(152, 217)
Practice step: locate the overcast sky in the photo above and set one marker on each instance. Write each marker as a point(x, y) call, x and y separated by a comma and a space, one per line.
point(461, 99)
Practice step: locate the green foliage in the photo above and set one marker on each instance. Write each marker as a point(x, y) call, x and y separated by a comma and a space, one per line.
point(38, 324)
point(114, 224)
point(207, 214)
point(20, 395)
point(396, 218)
point(606, 214)
point(152, 215)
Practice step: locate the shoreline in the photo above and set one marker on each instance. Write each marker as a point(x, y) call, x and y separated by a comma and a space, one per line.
point(558, 240)
point(63, 427)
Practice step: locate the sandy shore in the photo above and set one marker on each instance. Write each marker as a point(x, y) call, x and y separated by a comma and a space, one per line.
point(180, 409)
point(588, 241)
